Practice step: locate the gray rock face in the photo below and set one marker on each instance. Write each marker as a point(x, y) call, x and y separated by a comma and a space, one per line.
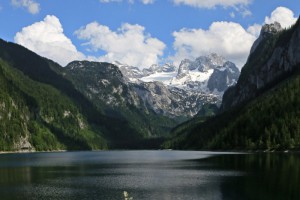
point(223, 77)
point(131, 72)
point(283, 58)
point(104, 82)
point(168, 68)
point(225, 73)
point(184, 69)
point(172, 102)
point(266, 31)
point(193, 83)
point(211, 61)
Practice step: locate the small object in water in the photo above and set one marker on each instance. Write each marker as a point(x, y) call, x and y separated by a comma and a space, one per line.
point(126, 196)
point(125, 193)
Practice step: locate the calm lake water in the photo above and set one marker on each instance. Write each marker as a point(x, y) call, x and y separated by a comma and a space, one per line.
point(150, 175)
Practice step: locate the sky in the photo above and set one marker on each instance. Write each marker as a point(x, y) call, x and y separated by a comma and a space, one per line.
point(141, 32)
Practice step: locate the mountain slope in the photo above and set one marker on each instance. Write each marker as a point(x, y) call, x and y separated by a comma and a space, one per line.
point(117, 131)
point(36, 116)
point(182, 91)
point(262, 111)
point(274, 57)
point(104, 85)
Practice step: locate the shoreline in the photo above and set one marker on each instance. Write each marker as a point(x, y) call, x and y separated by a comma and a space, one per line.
point(204, 150)
point(27, 151)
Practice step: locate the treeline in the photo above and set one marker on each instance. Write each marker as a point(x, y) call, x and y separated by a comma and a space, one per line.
point(271, 122)
point(40, 114)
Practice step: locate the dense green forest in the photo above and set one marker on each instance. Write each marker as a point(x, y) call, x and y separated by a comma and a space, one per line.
point(42, 115)
point(41, 106)
point(269, 119)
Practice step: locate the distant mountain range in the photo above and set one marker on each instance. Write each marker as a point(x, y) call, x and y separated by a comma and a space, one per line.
point(183, 90)
point(92, 105)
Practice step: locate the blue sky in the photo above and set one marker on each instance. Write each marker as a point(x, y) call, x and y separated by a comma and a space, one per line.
point(140, 32)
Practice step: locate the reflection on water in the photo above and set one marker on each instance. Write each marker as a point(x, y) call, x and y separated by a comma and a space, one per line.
point(149, 175)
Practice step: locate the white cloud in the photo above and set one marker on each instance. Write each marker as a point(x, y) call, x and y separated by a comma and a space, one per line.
point(32, 6)
point(148, 1)
point(228, 39)
point(282, 15)
point(212, 3)
point(129, 1)
point(47, 39)
point(254, 29)
point(128, 45)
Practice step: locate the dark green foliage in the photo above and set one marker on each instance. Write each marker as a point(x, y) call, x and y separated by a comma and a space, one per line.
point(271, 121)
point(253, 68)
point(264, 117)
point(49, 119)
point(60, 115)
point(208, 110)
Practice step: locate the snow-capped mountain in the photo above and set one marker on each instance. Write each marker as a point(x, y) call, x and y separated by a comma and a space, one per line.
point(183, 90)
point(210, 74)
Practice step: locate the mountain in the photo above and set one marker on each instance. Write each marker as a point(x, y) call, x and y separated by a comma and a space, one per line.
point(173, 102)
point(262, 110)
point(182, 91)
point(35, 115)
point(106, 87)
point(274, 55)
point(43, 109)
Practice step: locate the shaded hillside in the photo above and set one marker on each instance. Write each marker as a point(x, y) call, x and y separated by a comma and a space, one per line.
point(36, 116)
point(34, 75)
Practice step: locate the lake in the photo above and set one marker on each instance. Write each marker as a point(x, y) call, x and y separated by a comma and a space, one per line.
point(148, 175)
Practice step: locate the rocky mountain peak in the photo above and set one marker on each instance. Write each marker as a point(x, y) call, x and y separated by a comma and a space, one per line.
point(184, 69)
point(279, 57)
point(168, 68)
point(266, 31)
point(210, 62)
point(223, 77)
point(271, 28)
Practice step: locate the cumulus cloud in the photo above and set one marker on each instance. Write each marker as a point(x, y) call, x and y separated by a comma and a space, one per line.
point(254, 29)
point(129, 1)
point(47, 39)
point(282, 15)
point(228, 39)
point(212, 3)
point(32, 6)
point(129, 44)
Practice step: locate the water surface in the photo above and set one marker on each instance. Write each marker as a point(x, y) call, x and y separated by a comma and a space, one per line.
point(149, 175)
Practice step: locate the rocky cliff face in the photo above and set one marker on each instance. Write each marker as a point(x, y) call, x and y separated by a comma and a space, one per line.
point(173, 102)
point(223, 77)
point(183, 90)
point(104, 83)
point(274, 55)
point(266, 31)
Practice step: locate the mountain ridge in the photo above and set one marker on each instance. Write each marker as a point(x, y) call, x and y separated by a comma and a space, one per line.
point(262, 110)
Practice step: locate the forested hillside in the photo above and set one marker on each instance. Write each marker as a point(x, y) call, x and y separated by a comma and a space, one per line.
point(37, 116)
point(262, 111)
